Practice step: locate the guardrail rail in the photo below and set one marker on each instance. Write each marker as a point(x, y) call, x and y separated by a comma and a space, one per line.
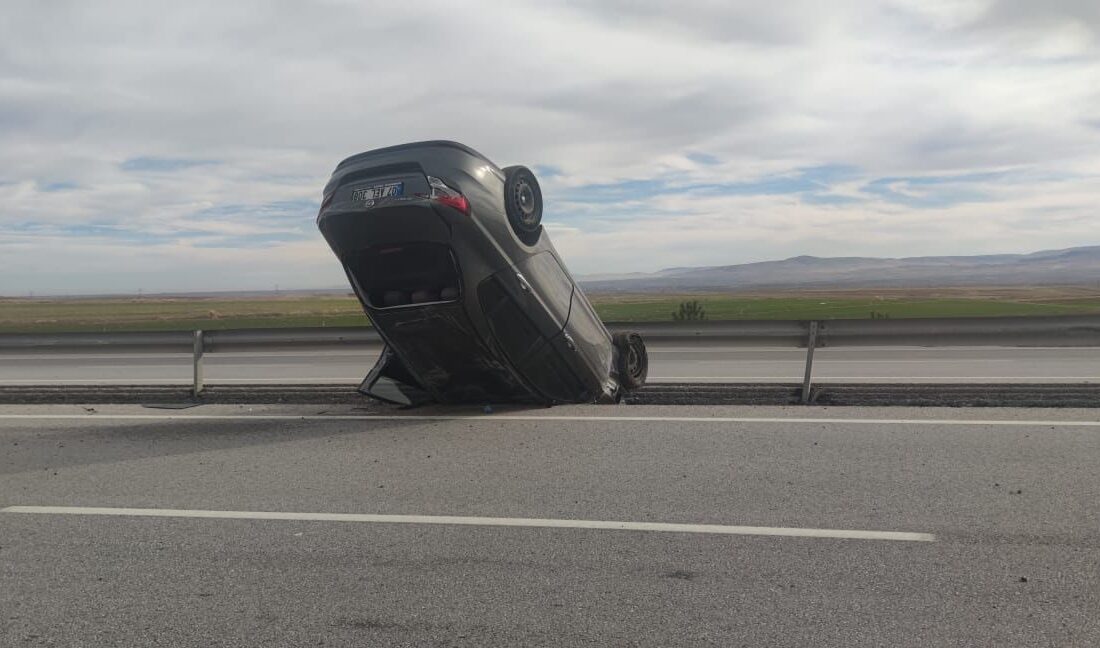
point(1058, 331)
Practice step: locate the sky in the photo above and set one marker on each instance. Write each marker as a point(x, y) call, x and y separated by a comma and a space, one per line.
point(154, 146)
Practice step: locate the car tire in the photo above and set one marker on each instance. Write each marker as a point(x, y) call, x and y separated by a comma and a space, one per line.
point(632, 360)
point(523, 203)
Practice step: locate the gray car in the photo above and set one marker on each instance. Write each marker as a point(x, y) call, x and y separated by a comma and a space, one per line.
point(447, 253)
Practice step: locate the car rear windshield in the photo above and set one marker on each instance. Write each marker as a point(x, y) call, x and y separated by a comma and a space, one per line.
point(406, 274)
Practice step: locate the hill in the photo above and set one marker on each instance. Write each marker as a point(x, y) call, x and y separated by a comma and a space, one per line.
point(1071, 267)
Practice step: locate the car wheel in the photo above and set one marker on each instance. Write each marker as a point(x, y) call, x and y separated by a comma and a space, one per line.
point(633, 361)
point(523, 203)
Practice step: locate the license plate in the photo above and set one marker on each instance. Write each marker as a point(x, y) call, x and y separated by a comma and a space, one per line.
point(371, 194)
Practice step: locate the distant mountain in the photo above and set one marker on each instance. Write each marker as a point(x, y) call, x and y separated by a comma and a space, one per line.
point(1074, 266)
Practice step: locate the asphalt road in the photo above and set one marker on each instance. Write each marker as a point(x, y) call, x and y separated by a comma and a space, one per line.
point(679, 363)
point(995, 511)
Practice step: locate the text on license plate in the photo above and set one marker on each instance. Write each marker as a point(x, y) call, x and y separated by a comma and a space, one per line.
point(370, 194)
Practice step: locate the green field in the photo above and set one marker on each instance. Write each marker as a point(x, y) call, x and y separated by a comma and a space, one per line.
point(153, 314)
point(804, 308)
point(60, 315)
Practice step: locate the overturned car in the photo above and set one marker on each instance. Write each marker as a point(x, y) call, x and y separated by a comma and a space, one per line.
point(447, 253)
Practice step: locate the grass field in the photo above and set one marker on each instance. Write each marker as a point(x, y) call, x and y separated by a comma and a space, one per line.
point(153, 313)
point(803, 308)
point(159, 314)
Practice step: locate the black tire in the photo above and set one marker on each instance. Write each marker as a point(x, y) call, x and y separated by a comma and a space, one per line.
point(632, 361)
point(523, 203)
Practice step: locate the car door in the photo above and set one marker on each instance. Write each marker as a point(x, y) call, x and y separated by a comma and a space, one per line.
point(527, 307)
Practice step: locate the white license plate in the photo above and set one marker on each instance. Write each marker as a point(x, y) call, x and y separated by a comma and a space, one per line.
point(370, 194)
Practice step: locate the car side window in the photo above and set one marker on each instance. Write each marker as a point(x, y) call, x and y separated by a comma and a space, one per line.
point(553, 285)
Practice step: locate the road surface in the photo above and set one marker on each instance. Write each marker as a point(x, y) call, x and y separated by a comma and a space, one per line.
point(305, 525)
point(668, 363)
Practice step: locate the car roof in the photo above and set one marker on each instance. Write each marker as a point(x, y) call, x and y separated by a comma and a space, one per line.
point(412, 145)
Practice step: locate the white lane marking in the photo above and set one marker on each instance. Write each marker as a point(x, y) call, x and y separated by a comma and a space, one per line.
point(355, 380)
point(720, 529)
point(653, 347)
point(30, 382)
point(513, 417)
point(824, 376)
point(364, 352)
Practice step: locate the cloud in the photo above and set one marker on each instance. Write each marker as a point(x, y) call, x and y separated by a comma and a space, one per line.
point(729, 132)
point(160, 165)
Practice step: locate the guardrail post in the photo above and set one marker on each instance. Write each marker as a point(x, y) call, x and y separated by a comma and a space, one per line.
point(197, 386)
point(807, 379)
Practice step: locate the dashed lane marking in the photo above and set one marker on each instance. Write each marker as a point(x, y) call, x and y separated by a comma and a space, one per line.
point(659, 527)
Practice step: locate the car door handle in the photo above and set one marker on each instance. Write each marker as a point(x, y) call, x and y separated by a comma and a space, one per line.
point(526, 287)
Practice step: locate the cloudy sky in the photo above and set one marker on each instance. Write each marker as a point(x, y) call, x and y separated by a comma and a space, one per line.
point(182, 146)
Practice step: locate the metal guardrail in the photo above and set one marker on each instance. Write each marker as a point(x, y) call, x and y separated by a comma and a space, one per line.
point(1059, 331)
point(181, 341)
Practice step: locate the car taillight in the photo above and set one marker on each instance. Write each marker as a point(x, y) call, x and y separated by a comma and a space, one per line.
point(444, 194)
